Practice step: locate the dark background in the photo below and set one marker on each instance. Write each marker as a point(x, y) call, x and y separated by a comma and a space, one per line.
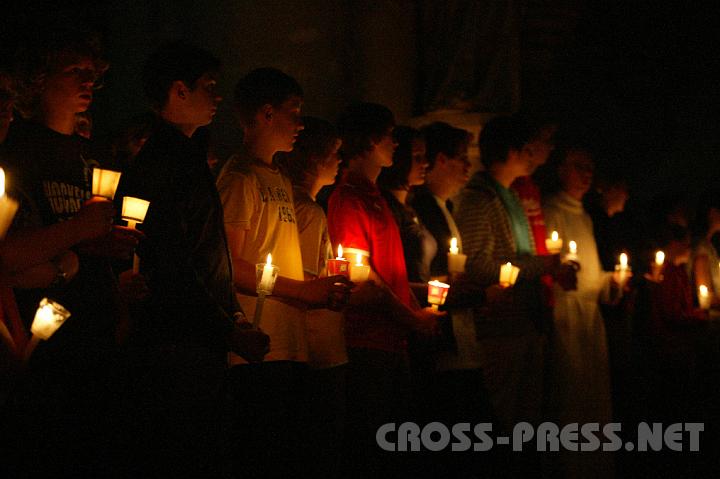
point(637, 79)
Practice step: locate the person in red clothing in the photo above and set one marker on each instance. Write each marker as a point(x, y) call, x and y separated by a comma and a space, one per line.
point(381, 312)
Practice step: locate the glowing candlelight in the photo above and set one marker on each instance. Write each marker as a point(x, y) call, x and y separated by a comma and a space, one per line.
point(572, 252)
point(704, 297)
point(105, 183)
point(657, 265)
point(48, 318)
point(622, 269)
point(339, 265)
point(267, 280)
point(359, 272)
point(134, 211)
point(456, 260)
point(437, 293)
point(265, 275)
point(8, 207)
point(453, 246)
point(554, 243)
point(508, 274)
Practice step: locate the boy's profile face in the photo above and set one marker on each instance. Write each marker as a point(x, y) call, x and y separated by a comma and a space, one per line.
point(202, 100)
point(287, 123)
point(385, 147)
point(70, 89)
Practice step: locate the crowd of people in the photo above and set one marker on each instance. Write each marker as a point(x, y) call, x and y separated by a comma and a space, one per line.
point(160, 371)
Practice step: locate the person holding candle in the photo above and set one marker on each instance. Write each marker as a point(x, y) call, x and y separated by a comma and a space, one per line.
point(496, 231)
point(447, 172)
point(395, 182)
point(312, 164)
point(705, 260)
point(191, 318)
point(580, 347)
point(380, 314)
point(260, 218)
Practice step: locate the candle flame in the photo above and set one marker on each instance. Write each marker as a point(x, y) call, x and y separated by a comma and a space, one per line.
point(269, 260)
point(358, 259)
point(623, 260)
point(573, 247)
point(554, 236)
point(453, 243)
point(340, 252)
point(703, 290)
point(659, 258)
point(2, 182)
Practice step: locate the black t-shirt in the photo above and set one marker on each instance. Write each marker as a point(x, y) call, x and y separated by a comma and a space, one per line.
point(51, 175)
point(185, 256)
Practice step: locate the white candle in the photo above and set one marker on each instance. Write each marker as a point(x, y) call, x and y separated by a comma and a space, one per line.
point(657, 265)
point(622, 269)
point(703, 297)
point(48, 318)
point(508, 274)
point(105, 182)
point(456, 260)
point(572, 252)
point(453, 246)
point(8, 207)
point(554, 243)
point(359, 272)
point(134, 211)
point(267, 282)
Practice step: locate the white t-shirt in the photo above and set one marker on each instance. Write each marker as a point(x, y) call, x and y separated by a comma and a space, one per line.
point(325, 335)
point(258, 198)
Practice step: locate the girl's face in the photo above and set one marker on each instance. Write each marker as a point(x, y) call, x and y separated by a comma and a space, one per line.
point(70, 90)
point(328, 167)
point(419, 164)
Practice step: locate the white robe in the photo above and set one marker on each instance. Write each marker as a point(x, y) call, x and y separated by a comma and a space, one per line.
point(580, 378)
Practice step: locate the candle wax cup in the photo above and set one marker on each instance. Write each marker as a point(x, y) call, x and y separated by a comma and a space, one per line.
point(553, 246)
point(359, 272)
point(105, 183)
point(437, 292)
point(456, 263)
point(338, 266)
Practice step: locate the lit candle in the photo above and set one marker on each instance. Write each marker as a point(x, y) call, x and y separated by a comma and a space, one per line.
point(359, 272)
point(134, 211)
point(267, 279)
point(265, 276)
point(338, 265)
point(508, 274)
point(622, 269)
point(657, 265)
point(456, 260)
point(48, 318)
point(704, 297)
point(572, 252)
point(8, 207)
point(105, 183)
point(437, 293)
point(554, 243)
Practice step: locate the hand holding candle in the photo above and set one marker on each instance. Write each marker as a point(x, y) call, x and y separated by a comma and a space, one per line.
point(48, 318)
point(134, 211)
point(508, 275)
point(456, 260)
point(105, 183)
point(8, 207)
